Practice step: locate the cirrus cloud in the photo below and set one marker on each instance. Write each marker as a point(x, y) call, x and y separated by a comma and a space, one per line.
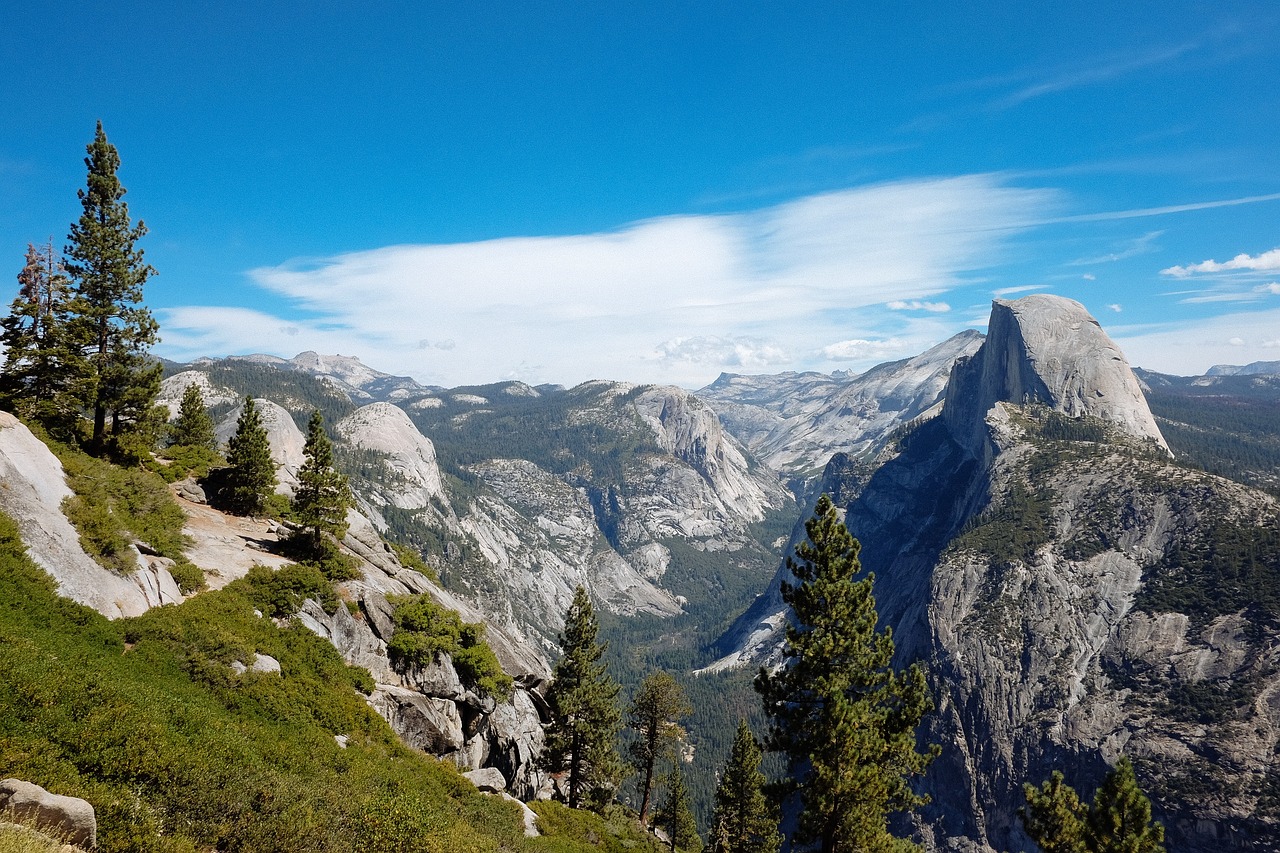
point(1265, 262)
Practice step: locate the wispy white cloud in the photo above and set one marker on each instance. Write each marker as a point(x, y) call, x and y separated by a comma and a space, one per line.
point(1131, 248)
point(1137, 213)
point(1022, 288)
point(862, 350)
point(1265, 262)
point(1191, 347)
point(1092, 75)
point(673, 299)
point(917, 305)
point(1116, 307)
point(1089, 277)
point(1271, 287)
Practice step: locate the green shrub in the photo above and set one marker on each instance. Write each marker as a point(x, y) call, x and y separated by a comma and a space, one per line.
point(425, 629)
point(113, 507)
point(184, 460)
point(188, 576)
point(280, 592)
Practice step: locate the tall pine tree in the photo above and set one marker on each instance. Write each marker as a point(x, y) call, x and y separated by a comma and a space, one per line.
point(321, 500)
point(41, 367)
point(583, 735)
point(655, 715)
point(744, 821)
point(194, 425)
point(674, 816)
point(108, 320)
point(845, 719)
point(251, 473)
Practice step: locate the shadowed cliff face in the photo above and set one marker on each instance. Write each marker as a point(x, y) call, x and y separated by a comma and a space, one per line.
point(1035, 548)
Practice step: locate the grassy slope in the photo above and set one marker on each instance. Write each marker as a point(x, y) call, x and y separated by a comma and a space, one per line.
point(145, 719)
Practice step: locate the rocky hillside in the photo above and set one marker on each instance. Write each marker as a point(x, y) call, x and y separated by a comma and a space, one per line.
point(516, 495)
point(795, 422)
point(1075, 593)
point(429, 706)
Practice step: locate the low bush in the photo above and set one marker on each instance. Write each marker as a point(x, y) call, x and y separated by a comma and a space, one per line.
point(425, 629)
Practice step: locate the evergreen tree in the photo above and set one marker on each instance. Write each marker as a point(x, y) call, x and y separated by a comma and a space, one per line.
point(1118, 821)
point(194, 426)
point(583, 734)
point(1120, 818)
point(251, 474)
point(655, 715)
point(845, 719)
point(108, 321)
point(1054, 817)
point(323, 496)
point(41, 367)
point(744, 821)
point(674, 816)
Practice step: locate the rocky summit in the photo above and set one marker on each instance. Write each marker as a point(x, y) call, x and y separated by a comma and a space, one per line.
point(1061, 579)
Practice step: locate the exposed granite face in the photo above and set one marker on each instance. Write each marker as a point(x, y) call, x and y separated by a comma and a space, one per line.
point(286, 440)
point(411, 457)
point(34, 489)
point(795, 422)
point(1045, 349)
point(1013, 564)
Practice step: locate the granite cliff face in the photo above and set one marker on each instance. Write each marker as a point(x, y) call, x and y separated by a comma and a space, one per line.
point(1061, 578)
point(1049, 350)
point(795, 422)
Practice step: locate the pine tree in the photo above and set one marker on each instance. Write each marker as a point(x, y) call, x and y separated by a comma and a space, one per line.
point(41, 367)
point(583, 734)
point(845, 719)
point(1054, 817)
point(323, 496)
point(744, 821)
point(1120, 817)
point(251, 474)
point(655, 715)
point(194, 426)
point(1118, 821)
point(674, 816)
point(108, 320)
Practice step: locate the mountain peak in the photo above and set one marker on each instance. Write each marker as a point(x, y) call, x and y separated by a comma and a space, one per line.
point(1046, 349)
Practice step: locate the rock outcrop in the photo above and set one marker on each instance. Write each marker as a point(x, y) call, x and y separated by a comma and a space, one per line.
point(286, 440)
point(413, 476)
point(68, 818)
point(34, 489)
point(1049, 350)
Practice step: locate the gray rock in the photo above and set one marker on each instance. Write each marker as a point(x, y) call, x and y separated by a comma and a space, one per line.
point(265, 663)
point(487, 779)
point(432, 725)
point(70, 818)
point(1045, 349)
point(190, 490)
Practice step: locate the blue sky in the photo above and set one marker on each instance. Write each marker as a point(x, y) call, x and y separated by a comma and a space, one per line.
point(661, 191)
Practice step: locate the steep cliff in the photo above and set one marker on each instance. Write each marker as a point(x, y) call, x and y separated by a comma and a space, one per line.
point(1074, 594)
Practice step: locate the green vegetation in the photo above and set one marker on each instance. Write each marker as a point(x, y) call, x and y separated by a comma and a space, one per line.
point(745, 821)
point(41, 366)
point(843, 717)
point(1230, 427)
point(1229, 566)
point(582, 737)
point(251, 474)
point(1118, 821)
point(106, 319)
point(424, 629)
point(322, 498)
point(655, 714)
point(674, 816)
point(613, 830)
point(145, 719)
point(114, 507)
